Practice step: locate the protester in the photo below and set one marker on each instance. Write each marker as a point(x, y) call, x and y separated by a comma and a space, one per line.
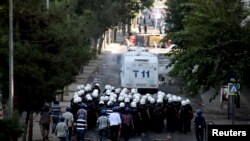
point(69, 120)
point(81, 126)
point(82, 110)
point(61, 130)
point(127, 124)
point(45, 122)
point(55, 114)
point(103, 125)
point(115, 124)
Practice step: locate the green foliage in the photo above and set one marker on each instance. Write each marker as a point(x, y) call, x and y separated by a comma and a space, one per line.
point(51, 45)
point(11, 128)
point(177, 9)
point(214, 45)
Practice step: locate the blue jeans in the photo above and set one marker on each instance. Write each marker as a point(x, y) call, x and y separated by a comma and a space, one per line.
point(80, 135)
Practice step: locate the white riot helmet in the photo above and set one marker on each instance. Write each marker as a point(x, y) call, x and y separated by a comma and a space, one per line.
point(142, 101)
point(101, 102)
point(133, 91)
point(82, 87)
point(133, 104)
point(170, 99)
point(152, 100)
point(77, 100)
point(144, 97)
point(97, 84)
point(117, 90)
point(179, 99)
point(89, 87)
point(169, 95)
point(148, 95)
point(112, 99)
point(122, 104)
point(160, 93)
point(106, 98)
point(95, 93)
point(174, 98)
point(126, 100)
point(183, 102)
point(187, 101)
point(120, 98)
point(102, 98)
point(106, 87)
point(75, 95)
point(89, 98)
point(114, 95)
point(159, 100)
point(109, 103)
point(79, 87)
point(124, 90)
point(87, 95)
point(160, 96)
point(135, 100)
point(79, 92)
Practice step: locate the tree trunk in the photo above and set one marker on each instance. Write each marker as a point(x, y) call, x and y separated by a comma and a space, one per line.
point(129, 26)
point(30, 126)
point(114, 35)
point(26, 126)
point(123, 29)
point(94, 47)
point(99, 50)
point(108, 37)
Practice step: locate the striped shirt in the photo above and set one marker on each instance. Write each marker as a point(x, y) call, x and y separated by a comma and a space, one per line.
point(109, 111)
point(81, 124)
point(55, 112)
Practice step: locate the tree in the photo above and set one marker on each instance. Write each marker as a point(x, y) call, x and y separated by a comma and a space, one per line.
point(50, 47)
point(177, 9)
point(11, 126)
point(215, 45)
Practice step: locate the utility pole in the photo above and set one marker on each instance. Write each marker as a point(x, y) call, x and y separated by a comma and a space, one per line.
point(11, 74)
point(47, 4)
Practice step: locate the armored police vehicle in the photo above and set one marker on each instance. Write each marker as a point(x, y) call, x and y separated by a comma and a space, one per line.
point(139, 69)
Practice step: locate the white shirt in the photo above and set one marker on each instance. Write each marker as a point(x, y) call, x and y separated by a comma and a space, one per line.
point(68, 118)
point(114, 119)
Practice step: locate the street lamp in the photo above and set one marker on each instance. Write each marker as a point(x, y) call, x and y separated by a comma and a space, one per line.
point(11, 74)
